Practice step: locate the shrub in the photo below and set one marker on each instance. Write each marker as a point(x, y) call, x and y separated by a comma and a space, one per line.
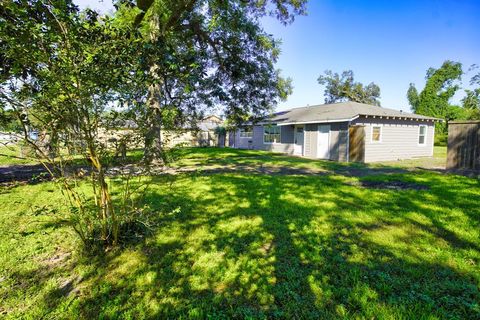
point(441, 139)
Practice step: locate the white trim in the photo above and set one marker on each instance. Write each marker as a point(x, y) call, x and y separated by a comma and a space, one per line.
point(351, 119)
point(316, 121)
point(424, 144)
point(304, 139)
point(371, 133)
point(433, 140)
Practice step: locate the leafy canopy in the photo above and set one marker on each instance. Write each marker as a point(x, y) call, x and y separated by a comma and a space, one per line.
point(207, 53)
point(440, 87)
point(471, 101)
point(339, 88)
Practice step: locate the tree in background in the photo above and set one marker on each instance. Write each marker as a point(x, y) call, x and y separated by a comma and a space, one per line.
point(434, 100)
point(471, 101)
point(339, 88)
point(9, 121)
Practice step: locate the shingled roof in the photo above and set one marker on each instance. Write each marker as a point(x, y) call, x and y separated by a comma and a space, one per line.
point(337, 112)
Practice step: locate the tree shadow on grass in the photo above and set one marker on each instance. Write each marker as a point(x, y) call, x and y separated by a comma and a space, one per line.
point(264, 246)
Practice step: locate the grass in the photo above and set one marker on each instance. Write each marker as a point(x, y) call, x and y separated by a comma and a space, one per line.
point(12, 155)
point(245, 245)
point(439, 160)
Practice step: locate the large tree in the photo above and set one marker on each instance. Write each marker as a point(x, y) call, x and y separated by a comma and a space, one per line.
point(434, 100)
point(205, 53)
point(342, 87)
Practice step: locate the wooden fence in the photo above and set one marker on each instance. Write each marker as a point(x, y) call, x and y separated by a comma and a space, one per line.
point(463, 145)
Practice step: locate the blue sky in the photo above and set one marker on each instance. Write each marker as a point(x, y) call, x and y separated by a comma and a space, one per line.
point(391, 43)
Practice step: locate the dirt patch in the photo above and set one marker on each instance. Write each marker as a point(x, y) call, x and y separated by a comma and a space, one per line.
point(37, 173)
point(366, 171)
point(392, 185)
point(269, 170)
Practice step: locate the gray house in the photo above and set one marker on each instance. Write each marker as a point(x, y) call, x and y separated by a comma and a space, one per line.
point(346, 131)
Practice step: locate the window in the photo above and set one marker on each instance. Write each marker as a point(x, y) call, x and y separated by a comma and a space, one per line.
point(271, 134)
point(422, 135)
point(246, 133)
point(376, 134)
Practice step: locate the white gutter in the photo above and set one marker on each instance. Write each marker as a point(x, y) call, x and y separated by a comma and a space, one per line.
point(316, 121)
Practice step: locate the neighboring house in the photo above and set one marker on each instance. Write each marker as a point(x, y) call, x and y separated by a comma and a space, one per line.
point(203, 133)
point(346, 131)
point(8, 138)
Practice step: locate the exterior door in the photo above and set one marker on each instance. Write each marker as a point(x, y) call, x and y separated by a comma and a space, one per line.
point(323, 141)
point(356, 143)
point(299, 136)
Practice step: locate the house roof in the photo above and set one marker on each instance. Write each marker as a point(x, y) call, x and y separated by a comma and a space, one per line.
point(209, 123)
point(339, 112)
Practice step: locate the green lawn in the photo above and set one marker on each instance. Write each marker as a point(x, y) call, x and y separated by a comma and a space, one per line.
point(12, 154)
point(439, 160)
point(240, 244)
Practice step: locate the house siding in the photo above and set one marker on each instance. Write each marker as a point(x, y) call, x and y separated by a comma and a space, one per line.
point(399, 139)
point(339, 141)
point(285, 145)
point(240, 142)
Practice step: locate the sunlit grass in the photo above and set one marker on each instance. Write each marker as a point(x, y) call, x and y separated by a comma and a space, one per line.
point(14, 154)
point(241, 245)
point(438, 161)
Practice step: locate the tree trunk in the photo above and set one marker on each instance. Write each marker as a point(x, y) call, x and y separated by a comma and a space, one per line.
point(153, 137)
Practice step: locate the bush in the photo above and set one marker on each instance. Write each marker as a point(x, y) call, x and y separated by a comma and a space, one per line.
point(441, 139)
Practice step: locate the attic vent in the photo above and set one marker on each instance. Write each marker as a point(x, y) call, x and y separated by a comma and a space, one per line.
point(401, 111)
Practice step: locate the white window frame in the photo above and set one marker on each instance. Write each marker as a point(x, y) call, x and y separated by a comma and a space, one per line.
point(371, 133)
point(279, 134)
point(418, 137)
point(243, 131)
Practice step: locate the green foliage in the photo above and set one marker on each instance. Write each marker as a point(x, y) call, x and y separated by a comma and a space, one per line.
point(72, 67)
point(434, 99)
point(441, 139)
point(9, 121)
point(343, 87)
point(471, 101)
point(243, 245)
point(199, 54)
point(160, 63)
point(412, 96)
